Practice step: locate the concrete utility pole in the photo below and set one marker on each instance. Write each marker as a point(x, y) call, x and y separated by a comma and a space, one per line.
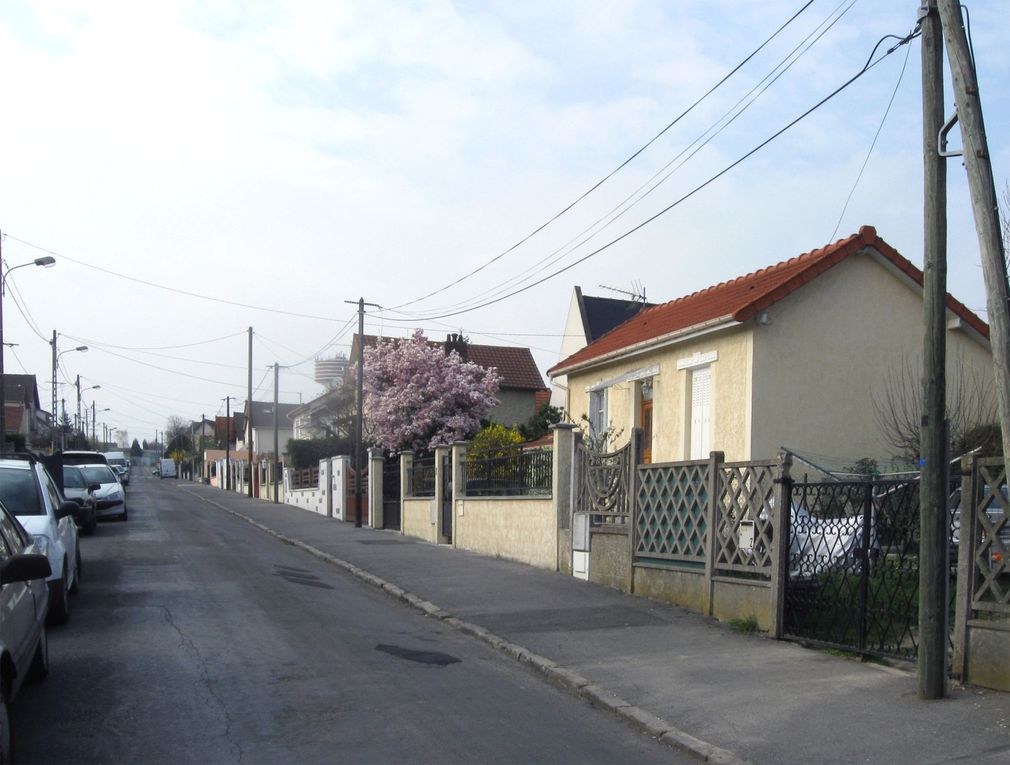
point(933, 523)
point(984, 202)
point(52, 438)
point(360, 401)
point(277, 454)
point(227, 443)
point(248, 417)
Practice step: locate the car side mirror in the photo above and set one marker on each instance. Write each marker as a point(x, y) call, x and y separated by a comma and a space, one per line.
point(92, 487)
point(66, 509)
point(22, 568)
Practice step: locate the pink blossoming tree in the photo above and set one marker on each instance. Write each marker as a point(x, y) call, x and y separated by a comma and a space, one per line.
point(417, 397)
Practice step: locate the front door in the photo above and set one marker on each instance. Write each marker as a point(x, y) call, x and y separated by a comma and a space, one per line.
point(646, 420)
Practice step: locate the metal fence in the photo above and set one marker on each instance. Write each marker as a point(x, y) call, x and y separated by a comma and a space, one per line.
point(853, 566)
point(421, 477)
point(527, 473)
point(602, 485)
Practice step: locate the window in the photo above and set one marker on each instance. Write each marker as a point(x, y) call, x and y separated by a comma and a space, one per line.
point(18, 492)
point(701, 413)
point(598, 411)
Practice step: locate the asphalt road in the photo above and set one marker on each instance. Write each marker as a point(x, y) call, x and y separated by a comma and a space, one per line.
point(197, 638)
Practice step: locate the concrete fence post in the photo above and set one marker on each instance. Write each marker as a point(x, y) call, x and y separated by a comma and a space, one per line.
point(406, 471)
point(715, 461)
point(781, 519)
point(637, 441)
point(376, 462)
point(965, 567)
point(323, 484)
point(562, 493)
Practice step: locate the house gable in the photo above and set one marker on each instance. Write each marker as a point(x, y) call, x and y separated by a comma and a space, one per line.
point(744, 298)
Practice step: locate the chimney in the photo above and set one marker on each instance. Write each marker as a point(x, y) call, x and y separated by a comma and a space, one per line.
point(456, 343)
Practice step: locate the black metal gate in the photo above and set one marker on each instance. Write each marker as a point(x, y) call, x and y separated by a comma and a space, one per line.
point(447, 498)
point(853, 570)
point(391, 494)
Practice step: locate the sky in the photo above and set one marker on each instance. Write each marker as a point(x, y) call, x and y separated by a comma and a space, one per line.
point(198, 168)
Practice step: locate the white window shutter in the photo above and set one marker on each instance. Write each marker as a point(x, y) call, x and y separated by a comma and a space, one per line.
point(701, 413)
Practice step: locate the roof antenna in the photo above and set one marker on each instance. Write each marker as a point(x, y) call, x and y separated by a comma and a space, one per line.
point(637, 292)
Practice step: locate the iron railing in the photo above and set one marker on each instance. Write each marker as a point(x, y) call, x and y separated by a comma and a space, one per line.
point(521, 474)
point(422, 477)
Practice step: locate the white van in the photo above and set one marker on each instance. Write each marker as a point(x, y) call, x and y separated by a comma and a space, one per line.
point(168, 468)
point(120, 464)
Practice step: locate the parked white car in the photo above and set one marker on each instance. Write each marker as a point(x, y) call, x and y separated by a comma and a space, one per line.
point(24, 602)
point(31, 494)
point(110, 496)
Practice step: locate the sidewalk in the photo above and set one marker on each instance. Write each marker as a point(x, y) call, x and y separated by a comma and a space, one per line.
point(721, 694)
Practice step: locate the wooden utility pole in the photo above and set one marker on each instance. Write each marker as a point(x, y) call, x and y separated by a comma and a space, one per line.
point(933, 525)
point(984, 202)
point(249, 422)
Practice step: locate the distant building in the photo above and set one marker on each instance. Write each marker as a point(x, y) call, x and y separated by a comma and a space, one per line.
point(330, 373)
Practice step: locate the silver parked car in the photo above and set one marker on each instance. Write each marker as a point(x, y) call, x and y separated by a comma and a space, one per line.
point(24, 602)
point(28, 491)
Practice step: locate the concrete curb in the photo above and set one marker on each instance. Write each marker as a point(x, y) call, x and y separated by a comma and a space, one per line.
point(655, 727)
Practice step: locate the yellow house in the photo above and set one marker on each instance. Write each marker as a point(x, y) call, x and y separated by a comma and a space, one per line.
point(789, 356)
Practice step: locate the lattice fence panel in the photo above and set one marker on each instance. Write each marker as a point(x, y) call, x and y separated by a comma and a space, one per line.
point(744, 521)
point(671, 511)
point(991, 566)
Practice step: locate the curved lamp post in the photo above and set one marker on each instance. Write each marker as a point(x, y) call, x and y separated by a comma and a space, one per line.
point(56, 364)
point(45, 262)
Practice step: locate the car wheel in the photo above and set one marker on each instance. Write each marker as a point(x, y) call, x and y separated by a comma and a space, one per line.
point(77, 572)
point(92, 523)
point(39, 669)
point(123, 516)
point(6, 734)
point(59, 603)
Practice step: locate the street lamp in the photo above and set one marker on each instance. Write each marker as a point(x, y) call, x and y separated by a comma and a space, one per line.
point(94, 419)
point(93, 387)
point(45, 262)
point(56, 364)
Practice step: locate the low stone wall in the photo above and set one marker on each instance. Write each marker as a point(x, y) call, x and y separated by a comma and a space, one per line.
point(416, 519)
point(610, 558)
point(523, 529)
point(683, 587)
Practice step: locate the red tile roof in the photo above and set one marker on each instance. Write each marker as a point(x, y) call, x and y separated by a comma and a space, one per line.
point(516, 366)
point(743, 298)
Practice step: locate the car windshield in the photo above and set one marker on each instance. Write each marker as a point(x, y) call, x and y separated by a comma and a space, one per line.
point(72, 479)
point(98, 474)
point(18, 492)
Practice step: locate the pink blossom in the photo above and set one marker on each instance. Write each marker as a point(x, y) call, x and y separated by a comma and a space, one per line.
point(417, 397)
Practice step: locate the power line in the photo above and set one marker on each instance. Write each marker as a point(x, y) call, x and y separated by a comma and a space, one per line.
point(645, 190)
point(695, 190)
point(157, 348)
point(873, 143)
point(617, 169)
point(165, 287)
